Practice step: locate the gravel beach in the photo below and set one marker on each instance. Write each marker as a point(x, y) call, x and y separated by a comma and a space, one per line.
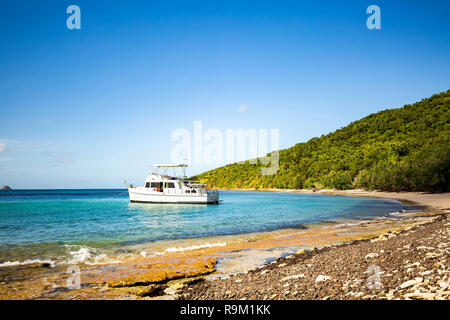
point(410, 264)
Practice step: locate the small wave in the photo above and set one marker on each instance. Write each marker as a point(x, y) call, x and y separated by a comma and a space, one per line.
point(195, 247)
point(80, 254)
point(145, 254)
point(87, 255)
point(25, 262)
point(396, 212)
point(345, 224)
point(201, 246)
point(181, 249)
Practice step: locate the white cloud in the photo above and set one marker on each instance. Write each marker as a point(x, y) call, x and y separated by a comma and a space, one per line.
point(242, 108)
point(3, 147)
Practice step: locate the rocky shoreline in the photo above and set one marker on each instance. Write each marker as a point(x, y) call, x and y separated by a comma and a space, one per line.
point(409, 264)
point(400, 256)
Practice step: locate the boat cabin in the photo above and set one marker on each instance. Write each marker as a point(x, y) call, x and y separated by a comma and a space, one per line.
point(165, 188)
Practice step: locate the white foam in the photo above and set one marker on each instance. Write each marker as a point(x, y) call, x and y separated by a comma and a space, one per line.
point(346, 224)
point(182, 249)
point(145, 254)
point(87, 255)
point(25, 262)
point(396, 212)
point(159, 253)
point(79, 254)
point(201, 246)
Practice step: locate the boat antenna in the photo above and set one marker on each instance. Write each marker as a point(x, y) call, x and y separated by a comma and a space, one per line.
point(185, 161)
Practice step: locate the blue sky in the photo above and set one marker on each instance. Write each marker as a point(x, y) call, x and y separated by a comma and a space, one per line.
point(89, 108)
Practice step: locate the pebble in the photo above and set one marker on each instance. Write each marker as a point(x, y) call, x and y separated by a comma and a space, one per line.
point(425, 248)
point(321, 278)
point(296, 276)
point(420, 295)
point(411, 283)
point(432, 255)
point(380, 238)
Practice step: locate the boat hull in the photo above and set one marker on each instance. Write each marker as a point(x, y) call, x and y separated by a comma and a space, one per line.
point(140, 195)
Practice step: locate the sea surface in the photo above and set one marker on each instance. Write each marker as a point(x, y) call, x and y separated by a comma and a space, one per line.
point(93, 226)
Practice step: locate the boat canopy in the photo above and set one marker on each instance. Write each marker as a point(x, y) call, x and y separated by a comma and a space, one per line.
point(173, 166)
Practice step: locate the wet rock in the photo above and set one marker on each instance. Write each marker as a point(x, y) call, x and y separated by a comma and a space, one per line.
point(380, 238)
point(158, 274)
point(170, 291)
point(151, 290)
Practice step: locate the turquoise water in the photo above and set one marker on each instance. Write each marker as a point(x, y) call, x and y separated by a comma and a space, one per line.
point(57, 224)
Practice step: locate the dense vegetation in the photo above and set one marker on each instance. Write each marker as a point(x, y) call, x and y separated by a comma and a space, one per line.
point(394, 150)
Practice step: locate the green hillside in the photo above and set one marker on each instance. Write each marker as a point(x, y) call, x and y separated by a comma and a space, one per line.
point(394, 150)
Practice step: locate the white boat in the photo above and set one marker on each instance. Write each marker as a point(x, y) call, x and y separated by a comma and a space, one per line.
point(162, 188)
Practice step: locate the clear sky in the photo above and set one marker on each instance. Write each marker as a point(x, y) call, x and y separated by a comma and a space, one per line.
point(89, 108)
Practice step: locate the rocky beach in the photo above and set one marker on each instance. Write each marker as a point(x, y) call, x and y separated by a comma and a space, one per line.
point(410, 264)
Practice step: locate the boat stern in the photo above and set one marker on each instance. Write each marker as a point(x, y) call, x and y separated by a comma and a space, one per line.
point(212, 196)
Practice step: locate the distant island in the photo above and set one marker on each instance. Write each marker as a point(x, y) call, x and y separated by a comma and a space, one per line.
point(404, 149)
point(6, 188)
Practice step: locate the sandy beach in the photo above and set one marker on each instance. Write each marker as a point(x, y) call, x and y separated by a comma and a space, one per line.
point(433, 200)
point(406, 253)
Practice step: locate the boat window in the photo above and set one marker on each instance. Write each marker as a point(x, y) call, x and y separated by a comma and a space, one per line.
point(155, 184)
point(188, 191)
point(147, 184)
point(193, 191)
point(171, 185)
